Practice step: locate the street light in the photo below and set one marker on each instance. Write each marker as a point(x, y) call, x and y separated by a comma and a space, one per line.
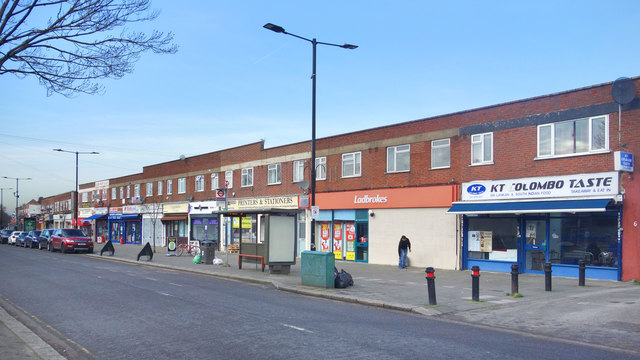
point(17, 195)
point(75, 205)
point(314, 43)
point(2, 206)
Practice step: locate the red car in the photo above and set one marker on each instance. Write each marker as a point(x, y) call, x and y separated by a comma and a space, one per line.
point(70, 240)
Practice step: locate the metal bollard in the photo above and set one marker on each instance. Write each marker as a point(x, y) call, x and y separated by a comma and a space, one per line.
point(547, 276)
point(581, 269)
point(514, 278)
point(431, 286)
point(475, 283)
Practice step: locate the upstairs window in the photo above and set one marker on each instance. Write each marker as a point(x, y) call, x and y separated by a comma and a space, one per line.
point(441, 153)
point(149, 189)
point(159, 187)
point(228, 179)
point(199, 185)
point(182, 185)
point(214, 181)
point(298, 171)
point(169, 187)
point(574, 137)
point(247, 177)
point(321, 168)
point(128, 191)
point(274, 175)
point(351, 164)
point(398, 158)
point(482, 149)
point(136, 190)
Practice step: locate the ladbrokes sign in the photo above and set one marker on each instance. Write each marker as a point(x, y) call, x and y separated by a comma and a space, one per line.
point(599, 184)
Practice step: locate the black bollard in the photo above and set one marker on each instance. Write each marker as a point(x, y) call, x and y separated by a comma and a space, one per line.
point(547, 276)
point(475, 283)
point(581, 269)
point(431, 286)
point(514, 279)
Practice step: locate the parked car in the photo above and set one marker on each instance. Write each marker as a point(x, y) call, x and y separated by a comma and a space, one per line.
point(20, 239)
point(33, 239)
point(67, 240)
point(43, 242)
point(4, 236)
point(13, 237)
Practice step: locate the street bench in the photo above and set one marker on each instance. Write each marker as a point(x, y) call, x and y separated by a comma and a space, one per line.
point(240, 256)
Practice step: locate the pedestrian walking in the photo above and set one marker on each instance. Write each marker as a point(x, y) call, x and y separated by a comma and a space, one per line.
point(404, 247)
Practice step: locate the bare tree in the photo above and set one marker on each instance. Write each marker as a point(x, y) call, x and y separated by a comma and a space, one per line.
point(69, 44)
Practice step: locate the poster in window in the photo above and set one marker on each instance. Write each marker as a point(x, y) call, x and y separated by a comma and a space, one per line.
point(350, 232)
point(325, 236)
point(337, 240)
point(481, 241)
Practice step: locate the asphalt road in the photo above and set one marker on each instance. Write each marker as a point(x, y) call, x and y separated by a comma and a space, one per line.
point(92, 308)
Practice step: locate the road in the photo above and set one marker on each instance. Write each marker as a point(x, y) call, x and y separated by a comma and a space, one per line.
point(91, 308)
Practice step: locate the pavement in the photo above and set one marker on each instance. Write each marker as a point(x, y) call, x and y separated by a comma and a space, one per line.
point(603, 314)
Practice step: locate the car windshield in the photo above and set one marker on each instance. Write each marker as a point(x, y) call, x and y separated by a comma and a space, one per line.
point(23, 233)
point(72, 232)
point(36, 233)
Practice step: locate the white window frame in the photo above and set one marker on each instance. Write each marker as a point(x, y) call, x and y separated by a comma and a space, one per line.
point(321, 168)
point(121, 192)
point(353, 162)
point(136, 190)
point(182, 185)
point(159, 187)
point(479, 141)
point(247, 177)
point(274, 174)
point(199, 183)
point(228, 179)
point(104, 194)
point(128, 191)
point(394, 157)
point(149, 189)
point(114, 193)
point(298, 171)
point(169, 187)
point(214, 181)
point(549, 150)
point(438, 146)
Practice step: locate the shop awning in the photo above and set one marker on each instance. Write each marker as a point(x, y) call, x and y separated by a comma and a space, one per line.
point(174, 217)
point(94, 217)
point(524, 207)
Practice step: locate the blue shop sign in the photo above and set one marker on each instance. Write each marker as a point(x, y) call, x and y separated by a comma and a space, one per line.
point(623, 161)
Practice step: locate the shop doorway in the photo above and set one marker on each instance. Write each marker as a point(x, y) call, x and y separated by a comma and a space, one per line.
point(362, 242)
point(536, 239)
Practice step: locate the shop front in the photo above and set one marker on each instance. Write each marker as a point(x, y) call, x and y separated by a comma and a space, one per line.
point(562, 220)
point(204, 223)
point(174, 221)
point(125, 224)
point(366, 226)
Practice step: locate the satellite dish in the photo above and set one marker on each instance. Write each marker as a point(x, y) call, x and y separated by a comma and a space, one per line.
point(182, 157)
point(623, 91)
point(303, 185)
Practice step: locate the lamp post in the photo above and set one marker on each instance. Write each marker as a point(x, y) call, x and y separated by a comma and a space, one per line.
point(75, 205)
point(314, 43)
point(17, 195)
point(2, 206)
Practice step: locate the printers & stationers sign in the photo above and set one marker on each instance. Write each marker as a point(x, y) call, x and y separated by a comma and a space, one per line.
point(580, 185)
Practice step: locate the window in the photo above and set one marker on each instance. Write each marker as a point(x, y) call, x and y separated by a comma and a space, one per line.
point(169, 187)
point(199, 183)
point(247, 177)
point(228, 178)
point(182, 185)
point(121, 192)
point(113, 193)
point(398, 158)
point(159, 187)
point(298, 171)
point(581, 136)
point(85, 197)
point(482, 149)
point(214, 181)
point(128, 191)
point(274, 175)
point(136, 190)
point(351, 165)
point(104, 194)
point(441, 153)
point(321, 168)
point(149, 189)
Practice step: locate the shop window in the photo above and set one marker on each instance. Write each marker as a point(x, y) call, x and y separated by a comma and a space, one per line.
point(398, 158)
point(482, 149)
point(321, 168)
point(247, 177)
point(274, 175)
point(351, 164)
point(228, 178)
point(581, 136)
point(214, 181)
point(298, 171)
point(441, 153)
point(199, 183)
point(592, 238)
point(169, 187)
point(493, 238)
point(182, 185)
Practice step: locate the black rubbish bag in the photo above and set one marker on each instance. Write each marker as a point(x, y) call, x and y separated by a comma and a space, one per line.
point(342, 279)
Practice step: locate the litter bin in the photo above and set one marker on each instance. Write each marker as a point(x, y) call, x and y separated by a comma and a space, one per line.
point(208, 252)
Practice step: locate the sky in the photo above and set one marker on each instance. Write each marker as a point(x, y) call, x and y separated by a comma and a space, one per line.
point(232, 82)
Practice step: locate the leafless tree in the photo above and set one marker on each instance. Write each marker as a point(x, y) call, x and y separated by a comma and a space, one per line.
point(69, 44)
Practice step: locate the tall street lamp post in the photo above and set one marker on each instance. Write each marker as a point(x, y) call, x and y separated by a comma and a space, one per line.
point(75, 205)
point(17, 196)
point(2, 206)
point(314, 43)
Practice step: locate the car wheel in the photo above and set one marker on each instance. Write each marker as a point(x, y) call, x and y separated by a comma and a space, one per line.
point(62, 249)
point(50, 247)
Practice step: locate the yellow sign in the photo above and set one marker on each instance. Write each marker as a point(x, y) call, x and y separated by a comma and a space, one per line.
point(338, 254)
point(351, 255)
point(246, 222)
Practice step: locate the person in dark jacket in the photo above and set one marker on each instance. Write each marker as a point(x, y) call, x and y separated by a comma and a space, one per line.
point(404, 246)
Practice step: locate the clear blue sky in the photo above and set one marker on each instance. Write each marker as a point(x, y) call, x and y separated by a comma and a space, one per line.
point(233, 82)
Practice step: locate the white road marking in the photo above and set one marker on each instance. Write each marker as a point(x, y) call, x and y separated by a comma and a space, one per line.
point(297, 328)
